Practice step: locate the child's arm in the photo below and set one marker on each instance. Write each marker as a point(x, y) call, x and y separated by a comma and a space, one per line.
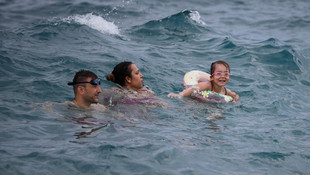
point(233, 95)
point(189, 91)
point(185, 92)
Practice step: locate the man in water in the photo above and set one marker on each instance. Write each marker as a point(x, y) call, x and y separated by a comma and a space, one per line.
point(86, 88)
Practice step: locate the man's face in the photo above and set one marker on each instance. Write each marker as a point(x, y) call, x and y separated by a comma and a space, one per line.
point(92, 92)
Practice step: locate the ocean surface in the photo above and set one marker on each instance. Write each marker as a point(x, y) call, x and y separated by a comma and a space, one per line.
point(266, 43)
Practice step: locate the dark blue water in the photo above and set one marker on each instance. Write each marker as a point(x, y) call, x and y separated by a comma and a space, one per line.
point(266, 43)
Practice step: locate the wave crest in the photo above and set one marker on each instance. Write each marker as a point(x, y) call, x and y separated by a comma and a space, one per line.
point(95, 22)
point(195, 16)
point(182, 25)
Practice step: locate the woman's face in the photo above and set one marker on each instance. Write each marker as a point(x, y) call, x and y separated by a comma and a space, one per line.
point(134, 82)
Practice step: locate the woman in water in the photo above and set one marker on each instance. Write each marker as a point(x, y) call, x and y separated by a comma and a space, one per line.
point(130, 89)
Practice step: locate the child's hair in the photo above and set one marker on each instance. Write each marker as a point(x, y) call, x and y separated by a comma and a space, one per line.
point(120, 72)
point(218, 62)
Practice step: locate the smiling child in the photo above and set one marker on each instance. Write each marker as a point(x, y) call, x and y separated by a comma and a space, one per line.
point(220, 74)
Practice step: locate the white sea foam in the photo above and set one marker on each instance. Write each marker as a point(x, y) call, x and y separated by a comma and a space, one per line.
point(196, 17)
point(95, 22)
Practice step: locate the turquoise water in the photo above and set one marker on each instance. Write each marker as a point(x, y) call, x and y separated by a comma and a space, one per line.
point(43, 44)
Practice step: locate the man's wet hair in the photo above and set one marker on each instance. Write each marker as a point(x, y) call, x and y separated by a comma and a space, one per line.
point(82, 76)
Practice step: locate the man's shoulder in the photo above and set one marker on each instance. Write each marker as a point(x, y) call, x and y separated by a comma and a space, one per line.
point(98, 106)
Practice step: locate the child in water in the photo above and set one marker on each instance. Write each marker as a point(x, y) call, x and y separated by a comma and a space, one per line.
point(220, 74)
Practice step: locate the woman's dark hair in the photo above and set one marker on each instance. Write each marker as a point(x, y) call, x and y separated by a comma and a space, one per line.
point(120, 72)
point(218, 62)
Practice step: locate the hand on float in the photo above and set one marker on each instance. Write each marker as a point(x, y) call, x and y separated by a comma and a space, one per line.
point(235, 96)
point(173, 95)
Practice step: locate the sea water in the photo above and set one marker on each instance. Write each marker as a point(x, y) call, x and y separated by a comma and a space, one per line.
point(266, 43)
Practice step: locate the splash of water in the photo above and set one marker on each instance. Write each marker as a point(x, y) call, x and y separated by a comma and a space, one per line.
point(123, 4)
point(194, 15)
point(95, 22)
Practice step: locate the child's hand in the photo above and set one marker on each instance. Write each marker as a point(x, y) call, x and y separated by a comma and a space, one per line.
point(235, 97)
point(173, 95)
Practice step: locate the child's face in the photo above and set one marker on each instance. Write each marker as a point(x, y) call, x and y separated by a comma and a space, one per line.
point(221, 75)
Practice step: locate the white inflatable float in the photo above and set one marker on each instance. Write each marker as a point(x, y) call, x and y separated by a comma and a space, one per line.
point(194, 77)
